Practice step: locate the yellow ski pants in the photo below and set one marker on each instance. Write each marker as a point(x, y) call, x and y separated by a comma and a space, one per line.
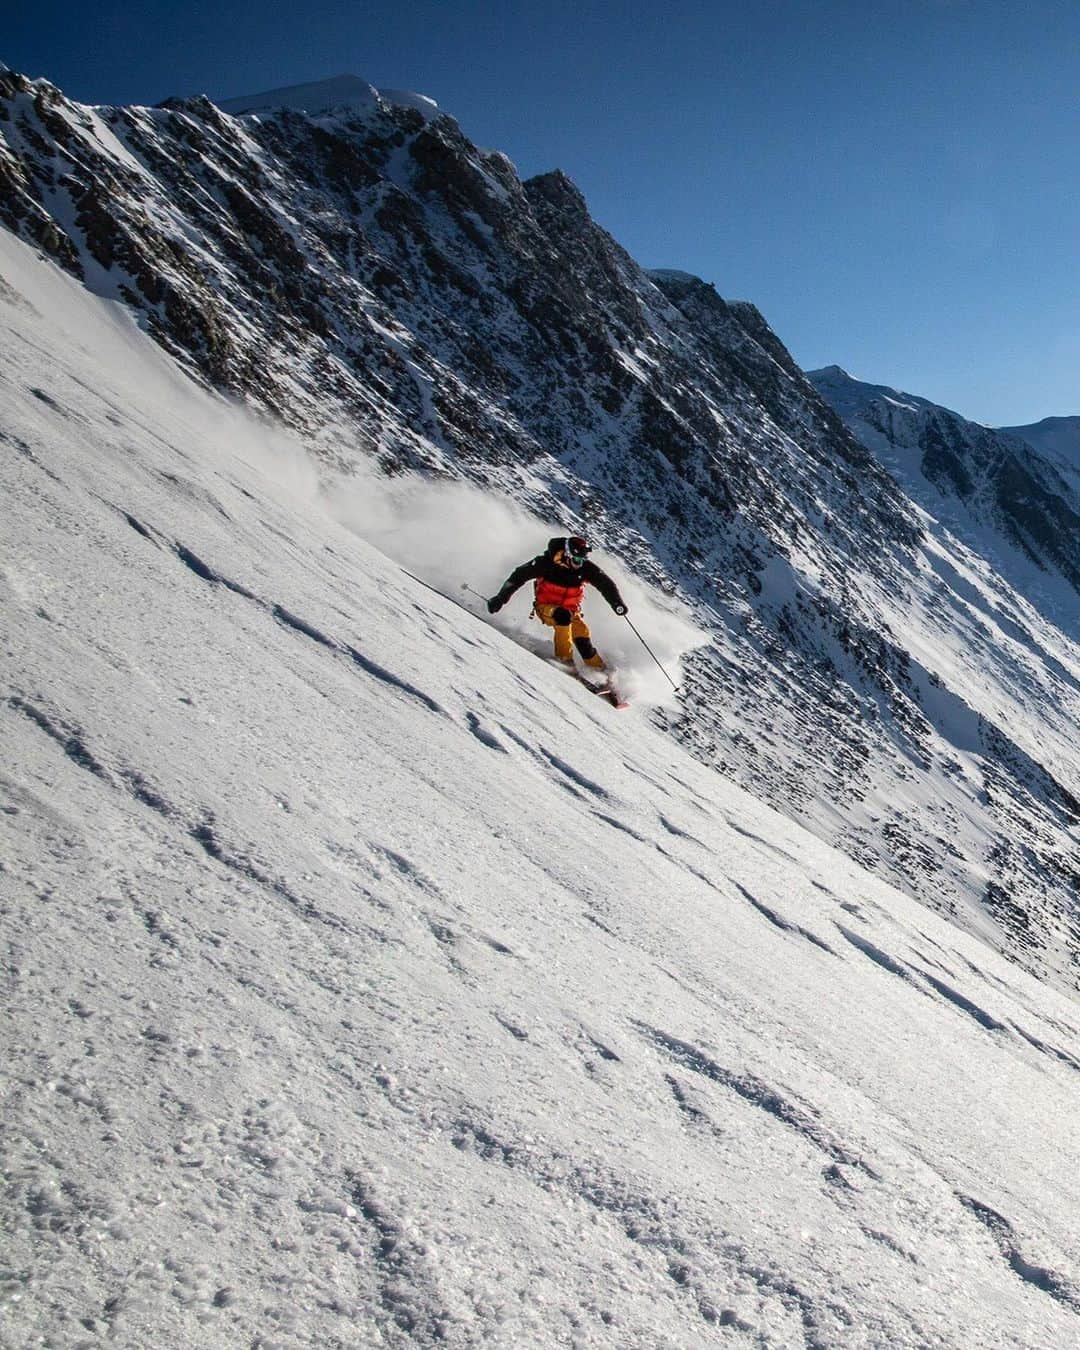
point(570, 630)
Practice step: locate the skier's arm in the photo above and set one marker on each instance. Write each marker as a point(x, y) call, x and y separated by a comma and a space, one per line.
point(605, 586)
point(518, 577)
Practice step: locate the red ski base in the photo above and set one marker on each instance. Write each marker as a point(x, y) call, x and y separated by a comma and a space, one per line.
point(607, 691)
point(604, 691)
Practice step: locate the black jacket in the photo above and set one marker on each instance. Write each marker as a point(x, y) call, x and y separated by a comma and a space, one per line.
point(544, 566)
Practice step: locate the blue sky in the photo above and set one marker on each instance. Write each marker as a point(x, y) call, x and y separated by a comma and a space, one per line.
point(892, 182)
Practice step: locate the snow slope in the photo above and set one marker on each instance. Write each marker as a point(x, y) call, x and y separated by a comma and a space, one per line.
point(370, 983)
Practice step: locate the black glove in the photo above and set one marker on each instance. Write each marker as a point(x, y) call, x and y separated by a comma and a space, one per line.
point(495, 604)
point(620, 610)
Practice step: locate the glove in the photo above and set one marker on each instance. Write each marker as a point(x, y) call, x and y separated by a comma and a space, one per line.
point(495, 604)
point(620, 610)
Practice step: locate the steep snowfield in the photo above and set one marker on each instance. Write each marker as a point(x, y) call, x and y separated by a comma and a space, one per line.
point(369, 982)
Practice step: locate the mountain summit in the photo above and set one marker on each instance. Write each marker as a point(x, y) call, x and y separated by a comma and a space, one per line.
point(339, 93)
point(1058, 438)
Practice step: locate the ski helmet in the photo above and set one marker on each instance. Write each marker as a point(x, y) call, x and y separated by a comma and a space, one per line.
point(576, 550)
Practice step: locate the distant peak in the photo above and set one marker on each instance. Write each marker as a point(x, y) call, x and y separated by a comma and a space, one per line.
point(671, 274)
point(322, 96)
point(1047, 423)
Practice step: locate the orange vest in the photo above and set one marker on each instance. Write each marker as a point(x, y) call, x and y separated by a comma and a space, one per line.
point(551, 593)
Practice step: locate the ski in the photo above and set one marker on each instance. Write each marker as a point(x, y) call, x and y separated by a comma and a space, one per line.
point(606, 691)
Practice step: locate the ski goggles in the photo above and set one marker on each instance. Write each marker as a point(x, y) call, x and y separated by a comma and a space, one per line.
point(576, 550)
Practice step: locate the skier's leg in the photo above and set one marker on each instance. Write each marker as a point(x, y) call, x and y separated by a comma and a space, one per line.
point(561, 620)
point(583, 642)
point(554, 616)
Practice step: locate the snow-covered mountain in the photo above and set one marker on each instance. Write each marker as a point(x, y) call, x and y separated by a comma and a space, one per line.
point(361, 272)
point(1058, 439)
point(996, 490)
point(367, 982)
point(340, 94)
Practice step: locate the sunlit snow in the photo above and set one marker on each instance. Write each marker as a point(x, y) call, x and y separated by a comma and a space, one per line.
point(371, 983)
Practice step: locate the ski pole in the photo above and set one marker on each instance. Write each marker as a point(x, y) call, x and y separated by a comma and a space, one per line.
point(430, 587)
point(651, 653)
point(466, 587)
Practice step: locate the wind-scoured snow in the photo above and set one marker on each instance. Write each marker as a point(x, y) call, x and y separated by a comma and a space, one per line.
point(849, 396)
point(370, 983)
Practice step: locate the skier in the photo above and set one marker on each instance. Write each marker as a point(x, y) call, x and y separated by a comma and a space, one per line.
point(559, 575)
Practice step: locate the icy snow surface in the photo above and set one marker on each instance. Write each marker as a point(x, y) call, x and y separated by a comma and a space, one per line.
point(371, 983)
